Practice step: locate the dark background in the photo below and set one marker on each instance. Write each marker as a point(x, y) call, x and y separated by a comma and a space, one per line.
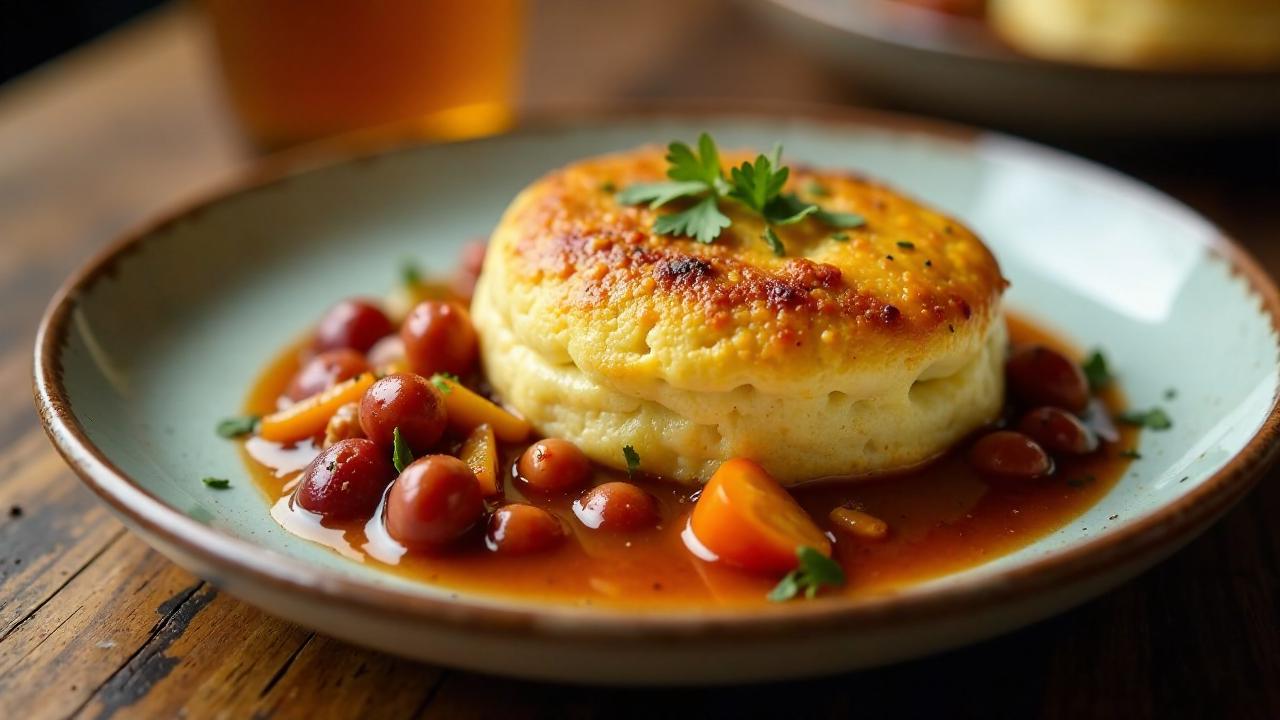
point(33, 31)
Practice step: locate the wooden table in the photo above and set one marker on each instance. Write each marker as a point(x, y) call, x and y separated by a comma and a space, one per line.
point(93, 622)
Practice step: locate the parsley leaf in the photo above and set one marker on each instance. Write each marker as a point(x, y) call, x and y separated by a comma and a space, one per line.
point(788, 209)
point(401, 455)
point(657, 194)
point(755, 185)
point(216, 483)
point(439, 380)
point(840, 219)
point(702, 222)
point(815, 571)
point(703, 167)
point(774, 243)
point(234, 427)
point(410, 275)
point(633, 460)
point(1096, 371)
point(1153, 419)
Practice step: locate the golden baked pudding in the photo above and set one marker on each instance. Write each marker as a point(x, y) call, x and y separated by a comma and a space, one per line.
point(858, 351)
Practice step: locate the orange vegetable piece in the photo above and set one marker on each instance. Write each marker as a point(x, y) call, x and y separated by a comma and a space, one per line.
point(859, 524)
point(468, 410)
point(308, 417)
point(749, 521)
point(480, 453)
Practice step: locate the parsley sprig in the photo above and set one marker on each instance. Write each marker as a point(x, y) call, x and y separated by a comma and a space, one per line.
point(696, 175)
point(815, 571)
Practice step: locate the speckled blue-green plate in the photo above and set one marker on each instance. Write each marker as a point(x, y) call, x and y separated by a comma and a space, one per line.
point(151, 343)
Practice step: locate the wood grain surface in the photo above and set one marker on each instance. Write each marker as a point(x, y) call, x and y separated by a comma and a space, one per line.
point(93, 623)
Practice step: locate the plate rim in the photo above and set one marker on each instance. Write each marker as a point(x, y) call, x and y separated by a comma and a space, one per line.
point(1172, 524)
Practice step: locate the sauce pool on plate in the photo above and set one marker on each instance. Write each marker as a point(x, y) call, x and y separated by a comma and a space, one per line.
point(910, 526)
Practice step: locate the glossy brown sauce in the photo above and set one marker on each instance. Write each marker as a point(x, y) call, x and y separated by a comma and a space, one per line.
point(942, 518)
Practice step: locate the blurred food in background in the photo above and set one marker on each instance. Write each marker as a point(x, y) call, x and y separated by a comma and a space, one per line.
point(1183, 34)
point(1120, 68)
point(963, 8)
point(300, 71)
point(1187, 34)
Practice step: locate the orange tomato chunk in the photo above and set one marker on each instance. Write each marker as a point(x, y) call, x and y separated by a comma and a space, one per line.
point(746, 519)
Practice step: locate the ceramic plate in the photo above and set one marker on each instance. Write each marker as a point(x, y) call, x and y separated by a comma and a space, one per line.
point(155, 340)
point(935, 62)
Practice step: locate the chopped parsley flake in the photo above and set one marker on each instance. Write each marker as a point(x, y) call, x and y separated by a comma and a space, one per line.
point(216, 483)
point(1153, 419)
point(840, 236)
point(817, 190)
point(633, 460)
point(815, 571)
point(1131, 454)
point(1170, 393)
point(234, 427)
point(441, 381)
point(410, 275)
point(608, 187)
point(1096, 371)
point(401, 455)
point(906, 245)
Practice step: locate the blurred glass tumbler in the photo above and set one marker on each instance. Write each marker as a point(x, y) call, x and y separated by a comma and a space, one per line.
point(299, 70)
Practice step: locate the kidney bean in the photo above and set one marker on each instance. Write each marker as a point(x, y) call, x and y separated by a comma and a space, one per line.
point(324, 371)
point(1058, 431)
point(345, 481)
point(438, 338)
point(433, 502)
point(520, 529)
point(553, 465)
point(1040, 376)
point(617, 507)
point(1005, 454)
point(355, 323)
point(406, 401)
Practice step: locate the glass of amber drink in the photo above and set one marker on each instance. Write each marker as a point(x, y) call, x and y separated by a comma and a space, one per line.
point(300, 70)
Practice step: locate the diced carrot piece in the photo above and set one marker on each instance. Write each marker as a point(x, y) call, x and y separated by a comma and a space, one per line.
point(746, 519)
point(308, 417)
point(480, 453)
point(859, 524)
point(467, 411)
